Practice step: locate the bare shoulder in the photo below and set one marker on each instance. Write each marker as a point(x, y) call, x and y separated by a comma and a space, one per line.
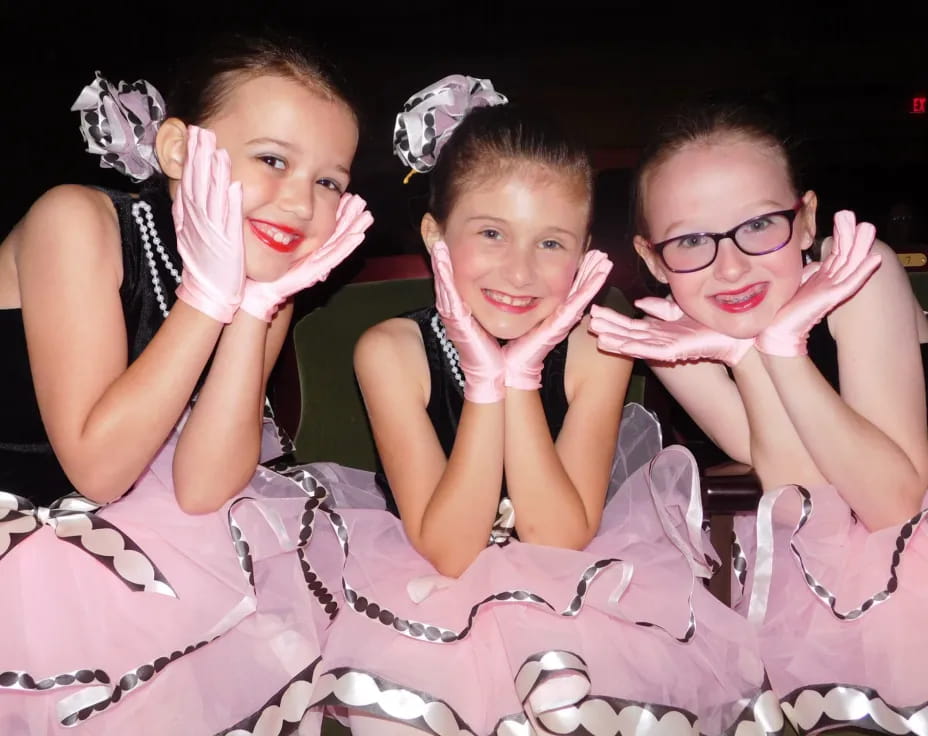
point(393, 349)
point(390, 338)
point(887, 289)
point(71, 201)
point(68, 217)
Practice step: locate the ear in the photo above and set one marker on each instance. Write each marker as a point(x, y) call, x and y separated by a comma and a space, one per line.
point(430, 231)
point(807, 219)
point(171, 147)
point(651, 259)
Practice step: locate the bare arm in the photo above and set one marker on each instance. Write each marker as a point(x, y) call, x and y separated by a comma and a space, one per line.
point(104, 420)
point(447, 505)
point(709, 395)
point(220, 443)
point(558, 488)
point(777, 452)
point(871, 441)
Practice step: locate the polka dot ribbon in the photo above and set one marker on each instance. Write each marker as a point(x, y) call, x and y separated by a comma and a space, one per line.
point(119, 123)
point(554, 688)
point(763, 566)
point(73, 519)
point(430, 116)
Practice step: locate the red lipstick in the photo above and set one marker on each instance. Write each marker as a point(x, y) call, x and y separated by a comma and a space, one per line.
point(264, 231)
point(741, 300)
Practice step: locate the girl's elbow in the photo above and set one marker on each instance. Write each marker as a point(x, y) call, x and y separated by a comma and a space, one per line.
point(905, 508)
point(194, 503)
point(99, 487)
point(451, 561)
point(913, 504)
point(204, 495)
point(575, 539)
point(450, 568)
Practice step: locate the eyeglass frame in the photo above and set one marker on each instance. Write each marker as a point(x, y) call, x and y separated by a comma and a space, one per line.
point(790, 215)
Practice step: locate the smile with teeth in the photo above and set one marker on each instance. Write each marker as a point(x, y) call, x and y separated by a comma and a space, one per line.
point(508, 301)
point(742, 299)
point(278, 237)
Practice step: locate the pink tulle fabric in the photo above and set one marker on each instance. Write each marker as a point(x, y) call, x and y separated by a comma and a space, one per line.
point(233, 640)
point(844, 642)
point(621, 637)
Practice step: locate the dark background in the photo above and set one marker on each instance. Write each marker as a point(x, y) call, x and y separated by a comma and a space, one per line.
point(845, 79)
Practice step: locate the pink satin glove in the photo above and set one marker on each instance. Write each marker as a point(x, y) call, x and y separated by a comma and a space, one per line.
point(525, 356)
point(352, 219)
point(207, 213)
point(824, 286)
point(479, 354)
point(667, 335)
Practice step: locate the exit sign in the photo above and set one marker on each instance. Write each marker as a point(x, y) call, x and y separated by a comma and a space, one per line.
point(919, 106)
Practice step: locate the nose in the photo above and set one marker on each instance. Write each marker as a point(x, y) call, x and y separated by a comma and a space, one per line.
point(519, 266)
point(296, 196)
point(730, 263)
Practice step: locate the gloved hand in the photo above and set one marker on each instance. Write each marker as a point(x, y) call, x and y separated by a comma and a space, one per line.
point(667, 335)
point(525, 356)
point(824, 286)
point(351, 221)
point(207, 213)
point(479, 354)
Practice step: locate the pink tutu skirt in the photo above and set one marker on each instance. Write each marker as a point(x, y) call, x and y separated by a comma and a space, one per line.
point(137, 618)
point(840, 611)
point(619, 638)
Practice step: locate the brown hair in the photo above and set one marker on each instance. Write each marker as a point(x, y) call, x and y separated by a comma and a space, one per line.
point(709, 123)
point(492, 140)
point(205, 81)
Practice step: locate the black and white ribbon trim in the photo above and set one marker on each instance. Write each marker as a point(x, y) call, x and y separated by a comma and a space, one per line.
point(739, 561)
point(12, 680)
point(316, 497)
point(93, 700)
point(814, 708)
point(359, 690)
point(764, 563)
point(283, 439)
point(315, 585)
point(98, 691)
point(439, 634)
point(74, 520)
point(240, 544)
point(282, 713)
point(87, 703)
point(588, 714)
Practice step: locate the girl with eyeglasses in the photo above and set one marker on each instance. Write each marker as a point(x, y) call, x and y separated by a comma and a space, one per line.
point(814, 375)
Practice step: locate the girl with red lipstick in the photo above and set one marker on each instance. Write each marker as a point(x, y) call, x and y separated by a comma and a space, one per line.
point(815, 376)
point(138, 332)
point(499, 592)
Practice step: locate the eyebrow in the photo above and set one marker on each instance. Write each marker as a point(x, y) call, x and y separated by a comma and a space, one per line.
point(289, 147)
point(276, 141)
point(767, 202)
point(553, 228)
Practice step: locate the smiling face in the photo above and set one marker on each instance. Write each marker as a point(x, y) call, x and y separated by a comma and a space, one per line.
point(713, 186)
point(291, 148)
point(515, 241)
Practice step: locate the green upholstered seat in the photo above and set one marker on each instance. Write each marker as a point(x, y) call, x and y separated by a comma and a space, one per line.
point(333, 424)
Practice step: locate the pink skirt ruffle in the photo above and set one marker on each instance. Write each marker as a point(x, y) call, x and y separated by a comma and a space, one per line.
point(842, 621)
point(140, 619)
point(621, 637)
